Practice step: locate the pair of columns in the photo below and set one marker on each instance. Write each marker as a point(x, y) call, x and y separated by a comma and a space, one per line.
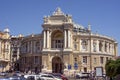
point(67, 39)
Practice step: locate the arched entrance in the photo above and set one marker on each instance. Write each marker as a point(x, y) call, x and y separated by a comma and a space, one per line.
point(57, 65)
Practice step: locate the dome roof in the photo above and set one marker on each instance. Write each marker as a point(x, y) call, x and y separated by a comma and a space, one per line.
point(78, 26)
point(6, 30)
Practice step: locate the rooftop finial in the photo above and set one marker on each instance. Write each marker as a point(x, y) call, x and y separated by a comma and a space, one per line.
point(89, 27)
point(58, 12)
point(6, 30)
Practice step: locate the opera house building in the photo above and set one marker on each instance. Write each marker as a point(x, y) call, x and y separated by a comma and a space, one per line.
point(62, 46)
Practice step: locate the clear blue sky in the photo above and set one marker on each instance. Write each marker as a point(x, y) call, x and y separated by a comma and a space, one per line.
point(26, 16)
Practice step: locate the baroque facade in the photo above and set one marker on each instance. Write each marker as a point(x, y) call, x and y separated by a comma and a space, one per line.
point(5, 50)
point(62, 46)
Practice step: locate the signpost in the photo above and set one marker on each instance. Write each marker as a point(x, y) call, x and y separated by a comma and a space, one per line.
point(69, 67)
point(75, 66)
point(99, 72)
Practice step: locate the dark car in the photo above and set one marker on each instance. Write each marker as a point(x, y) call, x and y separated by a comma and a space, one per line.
point(4, 78)
point(3, 73)
point(16, 77)
point(63, 77)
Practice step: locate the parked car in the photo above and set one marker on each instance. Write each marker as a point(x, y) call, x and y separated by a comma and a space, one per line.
point(3, 73)
point(16, 77)
point(3, 78)
point(49, 77)
point(32, 77)
point(63, 77)
point(82, 75)
point(18, 73)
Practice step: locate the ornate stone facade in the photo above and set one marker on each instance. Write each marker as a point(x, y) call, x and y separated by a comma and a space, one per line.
point(65, 46)
point(4, 50)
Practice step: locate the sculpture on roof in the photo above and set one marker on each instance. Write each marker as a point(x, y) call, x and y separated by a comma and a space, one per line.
point(58, 12)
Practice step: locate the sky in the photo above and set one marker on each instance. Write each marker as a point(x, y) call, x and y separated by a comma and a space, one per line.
point(26, 16)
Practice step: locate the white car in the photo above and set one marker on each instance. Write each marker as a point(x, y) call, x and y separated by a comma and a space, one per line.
point(49, 77)
point(33, 77)
point(82, 75)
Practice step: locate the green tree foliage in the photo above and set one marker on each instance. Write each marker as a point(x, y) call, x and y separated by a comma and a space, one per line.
point(112, 67)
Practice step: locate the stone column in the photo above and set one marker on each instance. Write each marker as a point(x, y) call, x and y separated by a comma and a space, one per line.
point(18, 52)
point(0, 47)
point(113, 50)
point(47, 39)
point(91, 45)
point(71, 39)
point(116, 49)
point(5, 50)
point(49, 62)
point(80, 45)
point(68, 39)
point(5, 45)
point(31, 47)
point(97, 46)
point(103, 47)
point(28, 46)
point(44, 43)
point(110, 48)
point(34, 48)
point(107, 47)
point(64, 38)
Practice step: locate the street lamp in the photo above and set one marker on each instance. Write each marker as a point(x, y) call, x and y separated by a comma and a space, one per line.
point(89, 30)
point(80, 65)
point(32, 44)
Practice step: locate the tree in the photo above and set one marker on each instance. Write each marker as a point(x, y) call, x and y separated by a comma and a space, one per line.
point(112, 68)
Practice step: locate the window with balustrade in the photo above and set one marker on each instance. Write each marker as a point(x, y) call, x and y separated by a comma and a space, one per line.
point(85, 59)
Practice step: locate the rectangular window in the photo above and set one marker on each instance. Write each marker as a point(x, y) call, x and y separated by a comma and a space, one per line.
point(85, 59)
point(106, 59)
point(36, 60)
point(101, 60)
point(95, 60)
point(75, 46)
point(24, 60)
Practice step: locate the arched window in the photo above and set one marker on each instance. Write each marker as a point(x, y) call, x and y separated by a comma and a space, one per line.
point(24, 48)
point(75, 59)
point(57, 39)
point(37, 46)
point(94, 46)
point(100, 46)
point(84, 45)
point(105, 47)
point(75, 46)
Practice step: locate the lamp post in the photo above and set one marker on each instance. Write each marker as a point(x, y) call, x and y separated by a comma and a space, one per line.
point(32, 58)
point(89, 29)
point(80, 65)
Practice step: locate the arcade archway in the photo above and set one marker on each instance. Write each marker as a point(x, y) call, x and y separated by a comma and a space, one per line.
point(57, 65)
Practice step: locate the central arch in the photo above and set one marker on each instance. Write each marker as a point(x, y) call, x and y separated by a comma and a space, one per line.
point(57, 39)
point(57, 65)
